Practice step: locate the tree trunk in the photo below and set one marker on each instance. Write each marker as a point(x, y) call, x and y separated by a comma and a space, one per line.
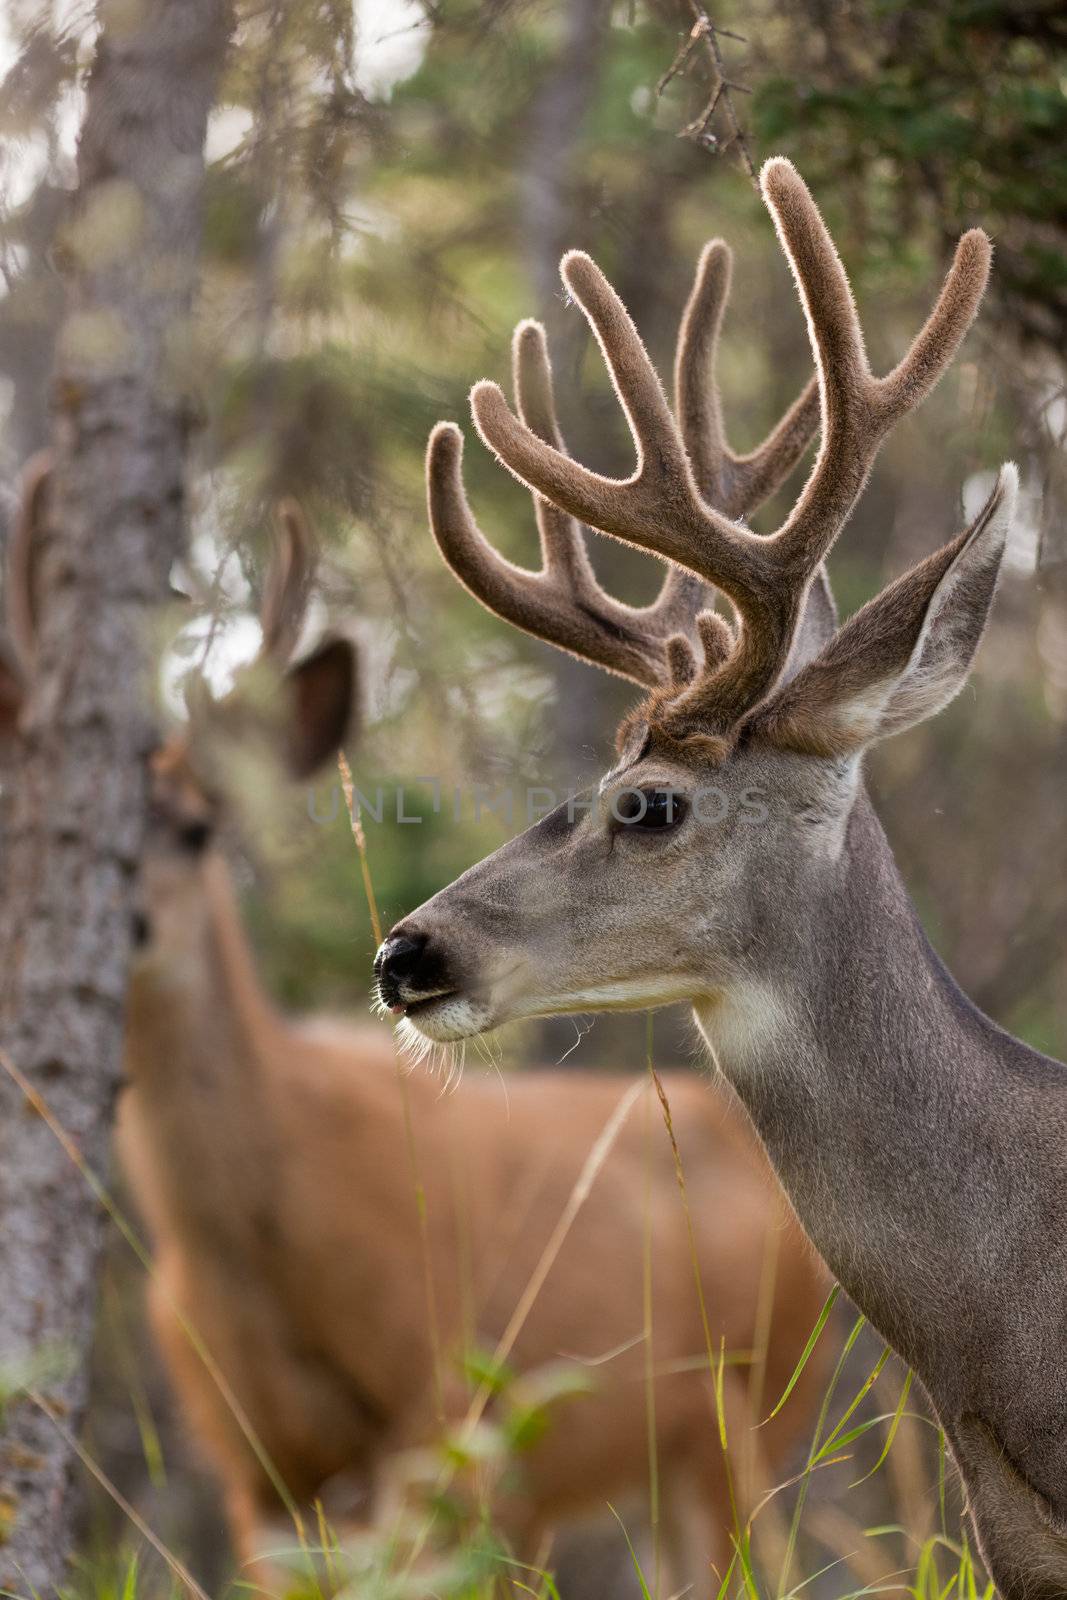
point(77, 811)
point(553, 222)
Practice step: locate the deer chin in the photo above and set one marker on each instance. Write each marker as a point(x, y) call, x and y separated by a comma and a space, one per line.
point(446, 1018)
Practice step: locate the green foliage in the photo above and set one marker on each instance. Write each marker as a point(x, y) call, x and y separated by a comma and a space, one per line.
point(440, 1540)
point(931, 119)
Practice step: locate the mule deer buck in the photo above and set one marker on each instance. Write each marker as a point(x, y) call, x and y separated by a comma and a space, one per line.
point(269, 1159)
point(925, 1150)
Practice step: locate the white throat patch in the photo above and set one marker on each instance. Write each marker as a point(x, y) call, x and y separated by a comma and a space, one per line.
point(744, 1024)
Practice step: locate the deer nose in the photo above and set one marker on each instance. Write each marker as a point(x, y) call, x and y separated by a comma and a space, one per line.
point(399, 956)
point(396, 966)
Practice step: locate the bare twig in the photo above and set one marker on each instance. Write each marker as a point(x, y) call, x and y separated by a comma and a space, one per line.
point(704, 36)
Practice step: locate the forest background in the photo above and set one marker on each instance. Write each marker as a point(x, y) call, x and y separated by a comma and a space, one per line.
point(389, 190)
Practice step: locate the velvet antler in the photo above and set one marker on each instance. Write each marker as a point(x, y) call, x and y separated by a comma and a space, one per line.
point(666, 506)
point(563, 601)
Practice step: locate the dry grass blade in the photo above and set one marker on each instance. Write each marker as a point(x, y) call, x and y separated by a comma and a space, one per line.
point(579, 1194)
point(583, 1184)
point(349, 788)
point(716, 1360)
point(180, 1571)
point(650, 1362)
point(433, 1321)
point(144, 1256)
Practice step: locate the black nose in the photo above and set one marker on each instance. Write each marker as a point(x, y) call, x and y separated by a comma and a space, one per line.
point(399, 955)
point(140, 930)
point(397, 962)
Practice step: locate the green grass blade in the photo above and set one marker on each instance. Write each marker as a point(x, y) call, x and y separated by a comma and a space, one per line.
point(645, 1595)
point(805, 1356)
point(824, 1411)
point(725, 1584)
point(864, 1390)
point(898, 1417)
point(744, 1556)
point(841, 1440)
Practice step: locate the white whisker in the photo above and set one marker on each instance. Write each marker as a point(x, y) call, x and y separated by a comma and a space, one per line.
point(413, 1046)
point(579, 1034)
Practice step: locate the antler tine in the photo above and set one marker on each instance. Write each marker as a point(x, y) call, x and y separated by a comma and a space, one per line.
point(735, 484)
point(858, 411)
point(943, 332)
point(290, 575)
point(697, 401)
point(681, 596)
point(531, 372)
point(532, 601)
point(659, 507)
point(563, 602)
point(562, 546)
point(858, 408)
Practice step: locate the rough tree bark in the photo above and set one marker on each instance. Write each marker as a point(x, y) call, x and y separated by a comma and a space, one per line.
point(77, 812)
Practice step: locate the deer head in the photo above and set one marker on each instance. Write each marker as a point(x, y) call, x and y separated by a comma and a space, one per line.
point(280, 724)
point(718, 831)
point(295, 716)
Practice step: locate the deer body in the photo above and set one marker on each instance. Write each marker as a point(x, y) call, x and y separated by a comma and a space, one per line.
point(270, 1161)
point(925, 1150)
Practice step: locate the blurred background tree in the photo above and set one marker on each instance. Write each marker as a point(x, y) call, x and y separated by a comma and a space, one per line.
point(390, 190)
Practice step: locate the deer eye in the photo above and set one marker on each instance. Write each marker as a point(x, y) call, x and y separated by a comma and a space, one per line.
point(195, 837)
point(650, 810)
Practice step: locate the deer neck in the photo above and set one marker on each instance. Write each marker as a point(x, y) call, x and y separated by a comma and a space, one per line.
point(199, 1056)
point(916, 1140)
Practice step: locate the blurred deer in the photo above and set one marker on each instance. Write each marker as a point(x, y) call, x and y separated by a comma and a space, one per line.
point(269, 1158)
point(925, 1150)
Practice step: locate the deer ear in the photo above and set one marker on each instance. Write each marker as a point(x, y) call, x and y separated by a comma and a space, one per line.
point(818, 624)
point(322, 695)
point(905, 655)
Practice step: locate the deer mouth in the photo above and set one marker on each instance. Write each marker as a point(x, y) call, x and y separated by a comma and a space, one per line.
point(460, 1011)
point(420, 1003)
point(447, 1018)
point(421, 986)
